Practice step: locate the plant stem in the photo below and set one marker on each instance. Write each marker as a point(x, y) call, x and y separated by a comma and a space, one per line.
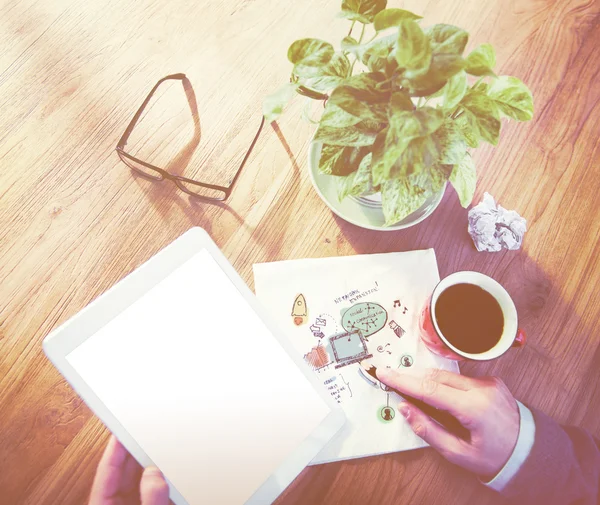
point(352, 28)
point(420, 102)
point(310, 93)
point(456, 113)
point(380, 85)
point(478, 81)
point(371, 39)
point(362, 33)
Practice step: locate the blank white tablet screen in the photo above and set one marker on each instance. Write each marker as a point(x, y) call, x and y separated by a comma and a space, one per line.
point(196, 378)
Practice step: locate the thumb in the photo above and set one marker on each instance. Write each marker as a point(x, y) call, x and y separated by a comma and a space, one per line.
point(447, 444)
point(154, 489)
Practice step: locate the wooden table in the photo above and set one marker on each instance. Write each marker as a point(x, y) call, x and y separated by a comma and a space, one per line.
point(73, 219)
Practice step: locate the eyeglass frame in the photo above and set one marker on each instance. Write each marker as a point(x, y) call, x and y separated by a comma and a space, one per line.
point(226, 190)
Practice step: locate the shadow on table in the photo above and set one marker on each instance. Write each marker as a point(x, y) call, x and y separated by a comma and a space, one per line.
point(210, 215)
point(199, 212)
point(555, 357)
point(554, 372)
point(293, 200)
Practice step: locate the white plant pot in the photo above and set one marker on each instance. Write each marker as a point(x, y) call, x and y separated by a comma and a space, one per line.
point(363, 211)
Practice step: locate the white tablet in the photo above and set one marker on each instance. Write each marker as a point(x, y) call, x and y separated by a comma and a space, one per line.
point(184, 366)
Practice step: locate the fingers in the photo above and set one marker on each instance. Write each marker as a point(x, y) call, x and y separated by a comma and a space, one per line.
point(455, 380)
point(427, 389)
point(132, 473)
point(445, 443)
point(154, 489)
point(115, 455)
point(107, 482)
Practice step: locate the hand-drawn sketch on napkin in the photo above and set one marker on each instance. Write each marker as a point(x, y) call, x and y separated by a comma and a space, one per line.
point(354, 312)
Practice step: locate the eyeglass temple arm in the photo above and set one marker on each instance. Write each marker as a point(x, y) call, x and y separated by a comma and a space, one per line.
point(123, 140)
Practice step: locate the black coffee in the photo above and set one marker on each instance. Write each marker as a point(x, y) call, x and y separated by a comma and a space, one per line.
point(469, 318)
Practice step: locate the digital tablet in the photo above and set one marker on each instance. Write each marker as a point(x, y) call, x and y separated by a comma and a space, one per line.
point(184, 366)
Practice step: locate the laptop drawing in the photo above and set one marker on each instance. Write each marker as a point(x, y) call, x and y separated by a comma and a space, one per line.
point(349, 348)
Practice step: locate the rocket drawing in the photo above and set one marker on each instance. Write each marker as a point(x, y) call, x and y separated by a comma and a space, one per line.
point(299, 311)
point(299, 306)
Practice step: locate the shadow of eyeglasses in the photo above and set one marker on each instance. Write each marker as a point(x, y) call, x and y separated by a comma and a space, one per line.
point(196, 189)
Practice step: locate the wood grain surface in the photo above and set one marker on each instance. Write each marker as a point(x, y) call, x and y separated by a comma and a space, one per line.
point(74, 220)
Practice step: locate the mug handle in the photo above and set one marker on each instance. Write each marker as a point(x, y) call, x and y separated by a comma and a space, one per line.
point(520, 339)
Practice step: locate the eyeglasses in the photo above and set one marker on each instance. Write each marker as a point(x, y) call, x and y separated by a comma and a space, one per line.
point(197, 189)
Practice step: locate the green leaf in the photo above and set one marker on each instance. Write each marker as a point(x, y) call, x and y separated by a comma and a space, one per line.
point(382, 47)
point(417, 123)
point(413, 51)
point(392, 142)
point(332, 159)
point(346, 136)
point(351, 45)
point(367, 80)
point(274, 104)
point(428, 119)
point(400, 198)
point(420, 154)
point(447, 39)
point(431, 179)
point(512, 97)
point(481, 86)
point(330, 75)
point(340, 160)
point(386, 150)
point(410, 192)
point(324, 83)
point(486, 114)
point(310, 53)
point(481, 61)
point(442, 68)
point(370, 127)
point(438, 93)
point(357, 183)
point(464, 178)
point(336, 117)
point(467, 126)
point(374, 63)
point(361, 97)
point(363, 11)
point(353, 16)
point(392, 17)
point(377, 55)
point(452, 145)
point(400, 101)
point(438, 176)
point(455, 90)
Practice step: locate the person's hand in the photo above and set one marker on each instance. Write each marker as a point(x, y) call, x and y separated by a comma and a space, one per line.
point(120, 480)
point(484, 406)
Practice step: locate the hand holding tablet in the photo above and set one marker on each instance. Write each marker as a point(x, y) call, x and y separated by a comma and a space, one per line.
point(148, 357)
point(121, 480)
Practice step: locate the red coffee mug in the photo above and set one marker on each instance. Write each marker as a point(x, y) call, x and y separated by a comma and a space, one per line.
point(434, 340)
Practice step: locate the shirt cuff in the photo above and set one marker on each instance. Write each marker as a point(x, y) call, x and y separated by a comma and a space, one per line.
point(520, 453)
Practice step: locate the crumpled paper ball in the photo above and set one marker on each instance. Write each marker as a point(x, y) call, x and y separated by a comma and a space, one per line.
point(493, 228)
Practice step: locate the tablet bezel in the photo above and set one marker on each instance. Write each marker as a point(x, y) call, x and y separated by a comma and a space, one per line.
point(60, 342)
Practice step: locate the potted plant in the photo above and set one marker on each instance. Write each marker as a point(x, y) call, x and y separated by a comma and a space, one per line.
point(401, 109)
